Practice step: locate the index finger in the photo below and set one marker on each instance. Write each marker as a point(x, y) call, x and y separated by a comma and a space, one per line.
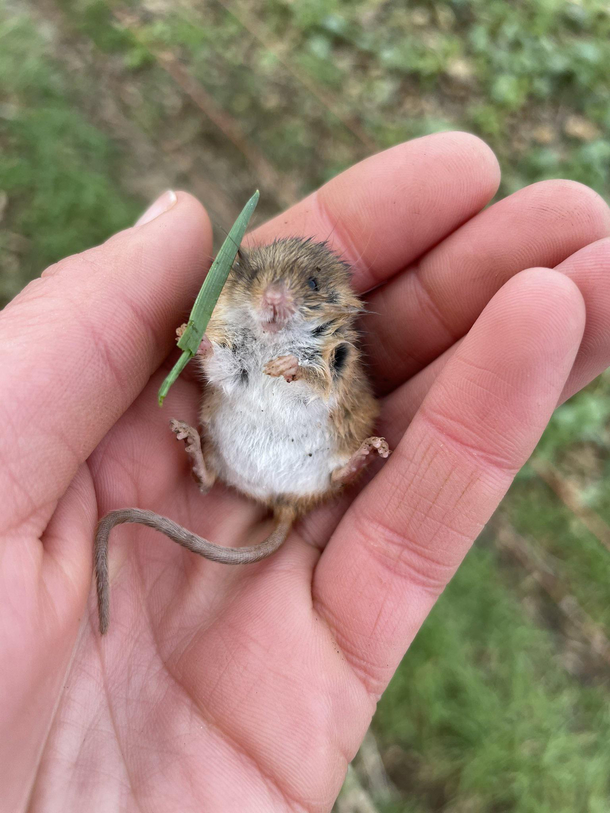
point(386, 211)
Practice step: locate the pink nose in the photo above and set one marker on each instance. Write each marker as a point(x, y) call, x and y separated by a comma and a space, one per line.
point(275, 295)
point(277, 306)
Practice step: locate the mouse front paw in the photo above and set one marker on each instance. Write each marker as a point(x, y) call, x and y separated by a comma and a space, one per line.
point(286, 366)
point(205, 348)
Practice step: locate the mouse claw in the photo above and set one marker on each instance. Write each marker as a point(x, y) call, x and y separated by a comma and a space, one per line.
point(381, 445)
point(183, 431)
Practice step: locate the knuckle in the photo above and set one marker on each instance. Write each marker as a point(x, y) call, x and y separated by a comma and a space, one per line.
point(468, 438)
point(396, 552)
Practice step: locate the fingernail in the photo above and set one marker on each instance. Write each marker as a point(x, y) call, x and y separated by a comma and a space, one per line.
point(161, 205)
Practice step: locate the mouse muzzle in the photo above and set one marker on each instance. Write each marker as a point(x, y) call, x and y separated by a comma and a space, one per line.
point(276, 307)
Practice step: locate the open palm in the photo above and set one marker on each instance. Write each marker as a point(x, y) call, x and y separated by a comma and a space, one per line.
point(250, 688)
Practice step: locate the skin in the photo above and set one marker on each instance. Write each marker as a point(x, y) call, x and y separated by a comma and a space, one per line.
point(249, 689)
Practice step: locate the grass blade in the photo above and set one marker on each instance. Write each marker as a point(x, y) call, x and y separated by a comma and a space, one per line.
point(208, 295)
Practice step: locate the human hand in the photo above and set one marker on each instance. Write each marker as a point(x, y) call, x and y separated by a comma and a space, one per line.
point(224, 689)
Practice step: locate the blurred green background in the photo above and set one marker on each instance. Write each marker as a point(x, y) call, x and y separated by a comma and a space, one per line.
point(503, 702)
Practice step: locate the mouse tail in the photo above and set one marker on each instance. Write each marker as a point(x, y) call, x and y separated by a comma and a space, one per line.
point(188, 540)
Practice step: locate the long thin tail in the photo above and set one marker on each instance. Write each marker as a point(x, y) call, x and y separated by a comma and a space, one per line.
point(188, 540)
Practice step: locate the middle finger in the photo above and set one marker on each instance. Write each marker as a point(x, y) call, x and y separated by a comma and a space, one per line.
point(419, 314)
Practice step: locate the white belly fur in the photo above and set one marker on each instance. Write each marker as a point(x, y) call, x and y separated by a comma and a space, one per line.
point(273, 438)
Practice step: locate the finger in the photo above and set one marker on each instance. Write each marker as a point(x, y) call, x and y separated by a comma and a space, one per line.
point(81, 342)
point(386, 211)
point(589, 268)
point(422, 312)
point(407, 532)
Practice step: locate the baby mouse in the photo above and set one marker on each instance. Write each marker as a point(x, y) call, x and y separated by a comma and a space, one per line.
point(287, 409)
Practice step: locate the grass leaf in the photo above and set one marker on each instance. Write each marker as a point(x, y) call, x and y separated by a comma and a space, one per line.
point(208, 295)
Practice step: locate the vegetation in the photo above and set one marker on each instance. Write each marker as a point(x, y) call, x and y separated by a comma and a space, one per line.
point(503, 703)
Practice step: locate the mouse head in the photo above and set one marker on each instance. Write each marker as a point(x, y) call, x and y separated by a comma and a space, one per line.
point(293, 283)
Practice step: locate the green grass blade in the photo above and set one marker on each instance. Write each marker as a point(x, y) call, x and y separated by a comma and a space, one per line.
point(208, 295)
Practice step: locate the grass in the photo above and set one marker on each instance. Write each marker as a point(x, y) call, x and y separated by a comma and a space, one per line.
point(497, 708)
point(484, 714)
point(58, 172)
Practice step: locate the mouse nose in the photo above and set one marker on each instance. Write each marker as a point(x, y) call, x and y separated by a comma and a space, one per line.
point(275, 294)
point(277, 306)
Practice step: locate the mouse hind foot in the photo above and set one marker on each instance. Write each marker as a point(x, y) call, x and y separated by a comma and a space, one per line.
point(204, 477)
point(345, 474)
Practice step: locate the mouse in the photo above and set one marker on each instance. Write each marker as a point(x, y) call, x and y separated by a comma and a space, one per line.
point(287, 410)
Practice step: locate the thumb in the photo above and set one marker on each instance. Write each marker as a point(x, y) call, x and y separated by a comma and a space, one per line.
point(80, 343)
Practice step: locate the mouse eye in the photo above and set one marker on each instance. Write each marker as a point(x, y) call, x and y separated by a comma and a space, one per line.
point(313, 283)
